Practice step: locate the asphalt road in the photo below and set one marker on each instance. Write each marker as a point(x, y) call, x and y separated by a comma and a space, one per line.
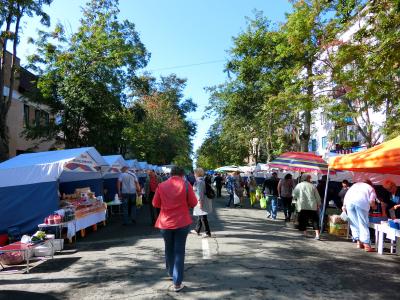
point(248, 257)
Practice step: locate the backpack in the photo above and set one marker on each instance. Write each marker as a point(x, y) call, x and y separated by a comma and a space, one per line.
point(209, 191)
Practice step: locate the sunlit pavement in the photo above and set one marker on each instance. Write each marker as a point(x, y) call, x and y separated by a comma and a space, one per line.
point(248, 257)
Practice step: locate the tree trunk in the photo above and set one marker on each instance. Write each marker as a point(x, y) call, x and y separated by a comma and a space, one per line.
point(306, 132)
point(4, 148)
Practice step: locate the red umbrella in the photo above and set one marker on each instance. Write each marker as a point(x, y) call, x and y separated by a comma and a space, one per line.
point(301, 162)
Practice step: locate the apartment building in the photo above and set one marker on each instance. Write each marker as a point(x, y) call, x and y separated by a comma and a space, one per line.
point(335, 138)
point(23, 113)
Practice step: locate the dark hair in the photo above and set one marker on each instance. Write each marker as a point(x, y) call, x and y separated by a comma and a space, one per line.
point(274, 173)
point(367, 181)
point(288, 176)
point(346, 182)
point(177, 171)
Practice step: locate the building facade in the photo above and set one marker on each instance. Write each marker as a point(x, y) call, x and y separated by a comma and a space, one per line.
point(23, 114)
point(331, 138)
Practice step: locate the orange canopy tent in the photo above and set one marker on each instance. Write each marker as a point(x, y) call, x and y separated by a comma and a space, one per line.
point(383, 159)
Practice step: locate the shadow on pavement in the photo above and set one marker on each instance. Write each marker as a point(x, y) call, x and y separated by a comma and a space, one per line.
point(57, 265)
point(22, 295)
point(257, 259)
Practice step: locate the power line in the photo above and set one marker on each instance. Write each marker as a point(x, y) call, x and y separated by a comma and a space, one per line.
point(186, 66)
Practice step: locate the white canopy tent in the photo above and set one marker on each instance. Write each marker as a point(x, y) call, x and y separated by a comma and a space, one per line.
point(29, 183)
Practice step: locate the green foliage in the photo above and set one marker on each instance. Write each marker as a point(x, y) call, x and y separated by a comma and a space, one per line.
point(366, 71)
point(83, 77)
point(158, 131)
point(279, 75)
point(11, 14)
point(90, 81)
point(266, 105)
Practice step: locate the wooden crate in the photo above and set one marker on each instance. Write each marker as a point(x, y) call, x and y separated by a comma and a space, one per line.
point(338, 229)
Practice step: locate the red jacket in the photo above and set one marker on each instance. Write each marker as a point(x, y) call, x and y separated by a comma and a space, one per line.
point(171, 197)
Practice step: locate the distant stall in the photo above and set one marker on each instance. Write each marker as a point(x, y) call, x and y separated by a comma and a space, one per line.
point(110, 176)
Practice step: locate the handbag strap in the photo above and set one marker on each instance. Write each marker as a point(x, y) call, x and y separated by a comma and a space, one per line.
point(187, 193)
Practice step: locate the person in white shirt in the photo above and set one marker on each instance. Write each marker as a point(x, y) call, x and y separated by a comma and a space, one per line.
point(128, 187)
point(357, 202)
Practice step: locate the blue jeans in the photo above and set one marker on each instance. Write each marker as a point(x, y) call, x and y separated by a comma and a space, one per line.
point(129, 207)
point(272, 206)
point(175, 242)
point(358, 219)
point(230, 200)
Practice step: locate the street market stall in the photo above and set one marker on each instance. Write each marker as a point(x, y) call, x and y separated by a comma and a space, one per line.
point(31, 186)
point(304, 162)
point(376, 164)
point(227, 169)
point(110, 176)
point(300, 162)
point(133, 164)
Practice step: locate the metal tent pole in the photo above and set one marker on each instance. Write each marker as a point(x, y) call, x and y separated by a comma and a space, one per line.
point(324, 202)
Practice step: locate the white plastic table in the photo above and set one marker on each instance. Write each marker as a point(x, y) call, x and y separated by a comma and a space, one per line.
point(374, 226)
point(114, 203)
point(392, 234)
point(71, 225)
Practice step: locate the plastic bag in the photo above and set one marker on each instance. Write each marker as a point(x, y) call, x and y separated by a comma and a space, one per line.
point(263, 203)
point(236, 199)
point(197, 211)
point(259, 194)
point(344, 216)
point(26, 239)
point(139, 201)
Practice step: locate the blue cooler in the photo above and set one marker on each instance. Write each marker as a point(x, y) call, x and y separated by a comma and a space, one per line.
point(394, 224)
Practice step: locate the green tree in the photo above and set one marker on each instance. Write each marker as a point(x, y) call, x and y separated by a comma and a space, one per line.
point(84, 78)
point(366, 72)
point(305, 29)
point(11, 14)
point(251, 106)
point(159, 131)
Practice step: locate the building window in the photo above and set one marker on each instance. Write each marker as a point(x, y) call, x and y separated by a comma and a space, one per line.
point(324, 118)
point(37, 117)
point(26, 115)
point(324, 142)
point(46, 118)
point(312, 146)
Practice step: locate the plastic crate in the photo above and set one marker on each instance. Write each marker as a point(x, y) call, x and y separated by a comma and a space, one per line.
point(44, 250)
point(58, 244)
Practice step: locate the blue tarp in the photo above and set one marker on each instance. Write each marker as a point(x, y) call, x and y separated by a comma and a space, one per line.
point(110, 184)
point(26, 206)
point(95, 185)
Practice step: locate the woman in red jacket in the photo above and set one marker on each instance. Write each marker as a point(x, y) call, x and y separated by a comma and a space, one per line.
point(174, 197)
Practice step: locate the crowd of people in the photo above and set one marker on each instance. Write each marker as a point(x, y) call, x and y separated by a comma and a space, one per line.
point(171, 198)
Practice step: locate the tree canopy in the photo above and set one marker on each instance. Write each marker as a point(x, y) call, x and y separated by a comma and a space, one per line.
point(281, 75)
point(91, 80)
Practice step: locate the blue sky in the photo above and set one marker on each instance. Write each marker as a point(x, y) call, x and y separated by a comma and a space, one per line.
point(177, 33)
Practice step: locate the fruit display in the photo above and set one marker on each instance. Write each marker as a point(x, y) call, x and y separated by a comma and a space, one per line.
point(38, 237)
